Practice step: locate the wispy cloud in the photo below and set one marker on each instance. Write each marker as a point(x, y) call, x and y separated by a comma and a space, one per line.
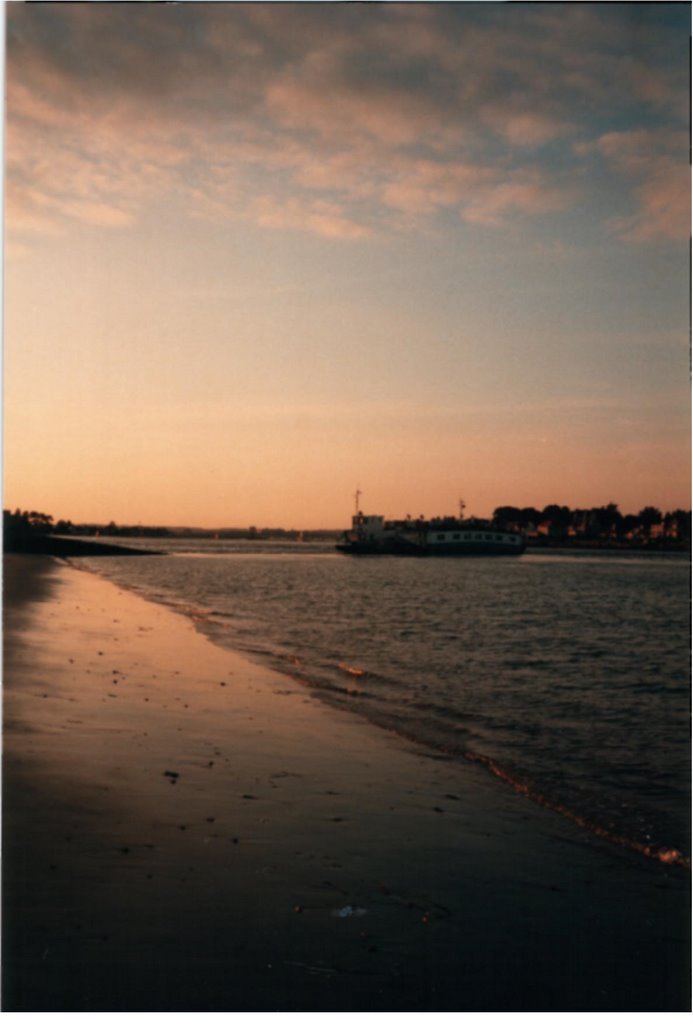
point(527, 192)
point(338, 119)
point(317, 216)
point(655, 163)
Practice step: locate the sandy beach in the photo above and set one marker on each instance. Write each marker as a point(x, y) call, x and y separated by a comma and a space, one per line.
point(186, 830)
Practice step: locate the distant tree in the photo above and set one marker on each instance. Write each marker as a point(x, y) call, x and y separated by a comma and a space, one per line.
point(529, 516)
point(608, 520)
point(39, 522)
point(629, 524)
point(678, 524)
point(560, 516)
point(579, 520)
point(507, 515)
point(649, 517)
point(19, 527)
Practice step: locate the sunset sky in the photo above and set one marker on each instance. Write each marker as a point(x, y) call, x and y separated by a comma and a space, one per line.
point(259, 255)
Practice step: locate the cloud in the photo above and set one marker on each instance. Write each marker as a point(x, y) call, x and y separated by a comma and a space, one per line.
point(527, 193)
point(323, 102)
point(481, 194)
point(656, 161)
point(424, 186)
point(665, 208)
point(524, 127)
point(339, 120)
point(318, 217)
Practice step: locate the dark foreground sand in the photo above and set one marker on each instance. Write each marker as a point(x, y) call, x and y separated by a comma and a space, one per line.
point(184, 830)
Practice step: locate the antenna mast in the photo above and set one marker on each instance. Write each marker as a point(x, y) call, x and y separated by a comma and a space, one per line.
point(356, 500)
point(462, 508)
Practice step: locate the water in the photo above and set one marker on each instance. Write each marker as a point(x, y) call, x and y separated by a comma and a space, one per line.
point(565, 674)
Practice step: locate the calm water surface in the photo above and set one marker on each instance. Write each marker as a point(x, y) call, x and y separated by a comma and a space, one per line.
point(566, 674)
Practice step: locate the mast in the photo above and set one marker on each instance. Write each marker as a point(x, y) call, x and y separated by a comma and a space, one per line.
point(356, 501)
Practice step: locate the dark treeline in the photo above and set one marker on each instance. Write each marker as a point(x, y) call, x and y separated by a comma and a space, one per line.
point(604, 525)
point(36, 533)
point(19, 528)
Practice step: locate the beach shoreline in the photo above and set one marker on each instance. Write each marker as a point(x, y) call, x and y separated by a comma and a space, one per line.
point(186, 830)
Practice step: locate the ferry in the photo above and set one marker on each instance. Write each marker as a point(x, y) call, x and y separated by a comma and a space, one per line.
point(448, 535)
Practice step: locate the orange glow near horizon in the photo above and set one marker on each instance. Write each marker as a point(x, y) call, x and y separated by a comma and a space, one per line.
point(332, 255)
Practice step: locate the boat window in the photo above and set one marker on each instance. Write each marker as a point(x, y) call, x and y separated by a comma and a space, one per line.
point(487, 536)
point(455, 536)
point(441, 536)
point(477, 536)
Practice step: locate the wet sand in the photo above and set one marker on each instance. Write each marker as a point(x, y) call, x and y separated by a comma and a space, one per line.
point(184, 830)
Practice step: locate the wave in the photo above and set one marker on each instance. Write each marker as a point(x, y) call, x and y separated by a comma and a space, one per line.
point(663, 854)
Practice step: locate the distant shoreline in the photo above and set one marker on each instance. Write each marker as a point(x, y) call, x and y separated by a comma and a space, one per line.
point(69, 547)
point(76, 547)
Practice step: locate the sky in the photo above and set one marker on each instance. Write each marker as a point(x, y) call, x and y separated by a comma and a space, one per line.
point(261, 255)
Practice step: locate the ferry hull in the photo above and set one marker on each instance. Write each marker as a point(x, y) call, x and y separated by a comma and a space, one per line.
point(470, 550)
